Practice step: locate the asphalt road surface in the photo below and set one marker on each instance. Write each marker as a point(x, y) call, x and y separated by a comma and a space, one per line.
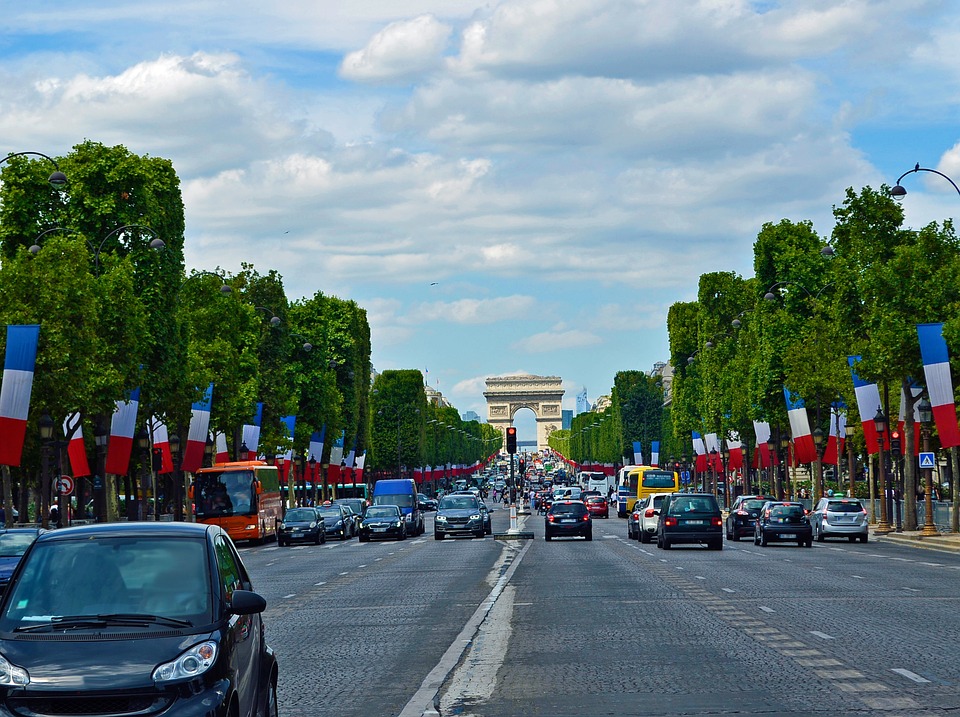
point(610, 627)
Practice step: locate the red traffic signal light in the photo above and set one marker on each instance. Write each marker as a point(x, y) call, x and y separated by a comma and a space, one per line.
point(895, 446)
point(511, 439)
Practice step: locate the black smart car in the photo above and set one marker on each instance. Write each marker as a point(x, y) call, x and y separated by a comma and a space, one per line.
point(781, 521)
point(301, 524)
point(134, 619)
point(690, 518)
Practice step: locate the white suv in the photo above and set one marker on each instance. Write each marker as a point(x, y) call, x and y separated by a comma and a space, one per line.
point(648, 514)
point(840, 518)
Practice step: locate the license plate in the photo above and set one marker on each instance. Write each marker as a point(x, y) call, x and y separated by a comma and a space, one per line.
point(696, 522)
point(378, 529)
point(786, 536)
point(568, 520)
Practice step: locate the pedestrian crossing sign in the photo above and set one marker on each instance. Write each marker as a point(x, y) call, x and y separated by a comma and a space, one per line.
point(926, 460)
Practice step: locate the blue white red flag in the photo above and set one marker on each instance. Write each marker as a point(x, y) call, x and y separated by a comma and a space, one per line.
point(161, 442)
point(316, 444)
point(122, 427)
point(936, 368)
point(868, 403)
point(762, 455)
point(220, 454)
point(700, 450)
point(251, 431)
point(76, 449)
point(655, 453)
point(637, 453)
point(804, 450)
point(735, 447)
point(18, 366)
point(198, 433)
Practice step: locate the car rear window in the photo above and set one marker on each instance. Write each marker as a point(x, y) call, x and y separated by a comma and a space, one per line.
point(844, 506)
point(574, 508)
point(785, 511)
point(692, 505)
point(752, 504)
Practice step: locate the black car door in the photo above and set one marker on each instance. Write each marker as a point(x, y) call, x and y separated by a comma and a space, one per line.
point(243, 634)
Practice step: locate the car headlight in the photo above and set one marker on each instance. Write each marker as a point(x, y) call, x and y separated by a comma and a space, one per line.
point(283, 526)
point(11, 675)
point(313, 525)
point(338, 524)
point(441, 519)
point(195, 661)
point(397, 524)
point(475, 516)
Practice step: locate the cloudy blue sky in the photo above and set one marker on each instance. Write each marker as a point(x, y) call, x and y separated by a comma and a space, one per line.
point(521, 186)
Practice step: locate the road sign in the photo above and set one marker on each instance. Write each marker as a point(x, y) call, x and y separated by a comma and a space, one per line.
point(65, 485)
point(926, 460)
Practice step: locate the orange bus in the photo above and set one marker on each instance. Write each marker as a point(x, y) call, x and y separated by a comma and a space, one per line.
point(242, 497)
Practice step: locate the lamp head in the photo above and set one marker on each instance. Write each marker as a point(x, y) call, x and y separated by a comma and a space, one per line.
point(58, 179)
point(925, 410)
point(880, 421)
point(898, 192)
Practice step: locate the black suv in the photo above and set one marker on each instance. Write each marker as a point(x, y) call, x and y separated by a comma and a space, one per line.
point(134, 619)
point(568, 518)
point(690, 518)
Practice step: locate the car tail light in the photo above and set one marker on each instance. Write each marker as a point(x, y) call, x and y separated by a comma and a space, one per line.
point(716, 522)
point(669, 522)
point(586, 516)
point(742, 512)
point(648, 513)
point(551, 518)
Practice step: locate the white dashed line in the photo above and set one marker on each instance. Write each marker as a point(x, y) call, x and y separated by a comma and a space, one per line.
point(699, 577)
point(347, 573)
point(322, 582)
point(821, 635)
point(728, 590)
point(839, 550)
point(680, 567)
point(361, 566)
point(663, 560)
point(377, 560)
point(291, 595)
point(818, 567)
point(766, 609)
point(933, 565)
point(858, 577)
point(910, 675)
point(913, 590)
point(904, 560)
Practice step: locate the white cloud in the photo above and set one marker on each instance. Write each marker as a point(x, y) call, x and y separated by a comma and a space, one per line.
point(400, 52)
point(473, 311)
point(548, 341)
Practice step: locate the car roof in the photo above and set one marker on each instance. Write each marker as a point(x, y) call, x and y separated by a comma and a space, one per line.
point(137, 528)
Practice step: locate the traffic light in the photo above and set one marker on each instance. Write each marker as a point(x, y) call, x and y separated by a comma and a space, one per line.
point(511, 439)
point(157, 460)
point(895, 443)
point(523, 467)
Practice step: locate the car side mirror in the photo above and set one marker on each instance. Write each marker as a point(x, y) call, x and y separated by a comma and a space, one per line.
point(656, 512)
point(246, 602)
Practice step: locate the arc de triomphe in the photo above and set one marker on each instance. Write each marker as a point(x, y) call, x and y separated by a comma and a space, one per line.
point(541, 394)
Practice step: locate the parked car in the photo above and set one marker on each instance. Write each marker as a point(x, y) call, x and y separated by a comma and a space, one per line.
point(337, 520)
point(13, 544)
point(782, 521)
point(597, 506)
point(382, 521)
point(839, 518)
point(648, 516)
point(742, 518)
point(146, 618)
point(568, 518)
point(633, 522)
point(458, 514)
point(690, 518)
point(304, 524)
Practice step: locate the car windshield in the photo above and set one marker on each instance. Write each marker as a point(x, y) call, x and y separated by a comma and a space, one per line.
point(596, 499)
point(301, 515)
point(13, 545)
point(132, 576)
point(844, 506)
point(403, 500)
point(752, 504)
point(571, 508)
point(459, 502)
point(330, 512)
point(786, 511)
point(382, 511)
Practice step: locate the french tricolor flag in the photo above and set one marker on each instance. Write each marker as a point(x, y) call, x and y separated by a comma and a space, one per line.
point(197, 435)
point(76, 449)
point(804, 450)
point(915, 392)
point(936, 368)
point(838, 425)
point(868, 403)
point(290, 422)
point(637, 453)
point(316, 443)
point(18, 366)
point(763, 457)
point(713, 452)
point(161, 442)
point(700, 449)
point(655, 453)
point(251, 431)
point(121, 434)
point(735, 446)
point(221, 454)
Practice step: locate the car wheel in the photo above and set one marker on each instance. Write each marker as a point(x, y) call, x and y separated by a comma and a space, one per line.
point(644, 537)
point(437, 535)
point(734, 537)
point(343, 534)
point(717, 545)
point(864, 538)
point(809, 543)
point(316, 540)
point(479, 534)
point(819, 532)
point(756, 538)
point(852, 538)
point(323, 537)
point(763, 539)
point(659, 541)
point(666, 544)
point(402, 536)
point(270, 708)
point(364, 538)
point(280, 543)
point(588, 535)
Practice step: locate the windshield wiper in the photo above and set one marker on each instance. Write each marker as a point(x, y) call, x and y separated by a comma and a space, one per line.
point(79, 622)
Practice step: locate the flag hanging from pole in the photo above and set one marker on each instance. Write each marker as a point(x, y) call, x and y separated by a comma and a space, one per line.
point(868, 403)
point(18, 367)
point(936, 368)
point(804, 449)
point(700, 450)
point(161, 443)
point(76, 448)
point(198, 433)
point(121, 434)
point(251, 431)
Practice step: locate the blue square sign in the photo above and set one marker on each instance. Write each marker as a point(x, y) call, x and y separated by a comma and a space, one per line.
point(926, 460)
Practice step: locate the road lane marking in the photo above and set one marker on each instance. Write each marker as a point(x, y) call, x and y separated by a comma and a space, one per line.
point(933, 565)
point(821, 635)
point(291, 595)
point(858, 577)
point(910, 675)
point(767, 609)
point(322, 582)
point(346, 573)
point(361, 566)
point(913, 590)
point(728, 590)
point(699, 577)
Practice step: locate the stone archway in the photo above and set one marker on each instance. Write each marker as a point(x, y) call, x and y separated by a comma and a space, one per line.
point(541, 394)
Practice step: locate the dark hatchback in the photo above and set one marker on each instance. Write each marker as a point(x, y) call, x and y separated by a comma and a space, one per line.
point(783, 522)
point(690, 518)
point(129, 619)
point(13, 544)
point(743, 516)
point(301, 524)
point(382, 521)
point(568, 518)
point(338, 520)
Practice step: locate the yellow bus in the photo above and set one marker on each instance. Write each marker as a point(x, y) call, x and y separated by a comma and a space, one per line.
point(646, 480)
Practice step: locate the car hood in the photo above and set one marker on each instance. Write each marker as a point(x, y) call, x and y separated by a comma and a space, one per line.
point(381, 521)
point(96, 661)
point(299, 523)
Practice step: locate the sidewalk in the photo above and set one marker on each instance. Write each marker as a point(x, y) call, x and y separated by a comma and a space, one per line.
point(945, 542)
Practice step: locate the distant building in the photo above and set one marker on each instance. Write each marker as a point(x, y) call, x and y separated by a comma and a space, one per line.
point(435, 397)
point(471, 416)
point(602, 404)
point(665, 372)
point(566, 419)
point(583, 404)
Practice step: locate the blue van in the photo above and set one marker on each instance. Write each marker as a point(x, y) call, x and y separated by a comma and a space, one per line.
point(401, 492)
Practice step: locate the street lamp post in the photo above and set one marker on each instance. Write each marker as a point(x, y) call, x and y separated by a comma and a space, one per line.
point(851, 460)
point(783, 480)
point(57, 179)
point(926, 416)
point(174, 441)
point(880, 424)
point(818, 472)
point(100, 437)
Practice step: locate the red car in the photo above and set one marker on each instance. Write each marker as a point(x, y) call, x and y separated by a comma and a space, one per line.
point(597, 506)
